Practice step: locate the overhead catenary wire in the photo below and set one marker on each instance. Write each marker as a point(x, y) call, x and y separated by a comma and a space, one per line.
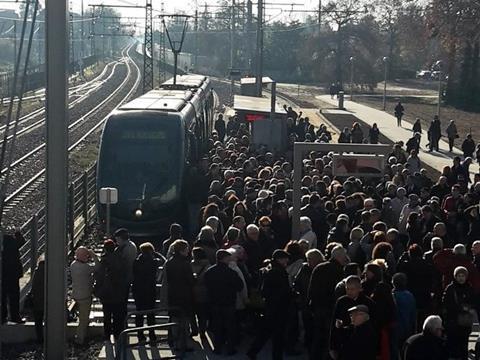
point(19, 109)
point(12, 97)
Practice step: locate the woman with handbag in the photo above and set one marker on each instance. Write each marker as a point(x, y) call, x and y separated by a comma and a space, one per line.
point(458, 306)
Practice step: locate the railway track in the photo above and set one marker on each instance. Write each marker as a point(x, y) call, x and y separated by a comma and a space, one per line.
point(29, 170)
point(78, 93)
point(34, 120)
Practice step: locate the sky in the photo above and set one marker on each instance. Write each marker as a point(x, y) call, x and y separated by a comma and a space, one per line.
point(276, 9)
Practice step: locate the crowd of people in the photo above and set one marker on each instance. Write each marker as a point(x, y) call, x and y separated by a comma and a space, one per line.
point(383, 269)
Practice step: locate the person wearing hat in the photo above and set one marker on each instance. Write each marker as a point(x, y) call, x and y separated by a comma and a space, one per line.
point(82, 270)
point(459, 304)
point(359, 340)
point(341, 313)
point(278, 296)
point(428, 344)
point(223, 284)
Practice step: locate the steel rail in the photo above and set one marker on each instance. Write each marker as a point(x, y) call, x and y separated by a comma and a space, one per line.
point(38, 177)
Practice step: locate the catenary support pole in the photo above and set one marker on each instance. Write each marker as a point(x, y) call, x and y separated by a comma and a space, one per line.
point(57, 173)
point(259, 50)
point(297, 191)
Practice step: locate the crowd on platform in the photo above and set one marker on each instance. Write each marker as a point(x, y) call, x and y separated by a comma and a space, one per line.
point(383, 268)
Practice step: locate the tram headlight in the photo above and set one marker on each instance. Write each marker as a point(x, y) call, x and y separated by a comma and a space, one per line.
point(138, 213)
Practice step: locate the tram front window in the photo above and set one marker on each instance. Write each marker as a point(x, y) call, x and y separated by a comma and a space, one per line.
point(142, 161)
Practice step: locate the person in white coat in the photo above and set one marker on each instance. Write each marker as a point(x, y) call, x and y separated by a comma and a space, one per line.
point(306, 232)
point(82, 270)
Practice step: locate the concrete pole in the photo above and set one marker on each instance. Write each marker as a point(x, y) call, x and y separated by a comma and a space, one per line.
point(297, 192)
point(439, 101)
point(319, 16)
point(385, 63)
point(232, 49)
point(82, 30)
point(249, 36)
point(259, 50)
point(351, 77)
point(57, 176)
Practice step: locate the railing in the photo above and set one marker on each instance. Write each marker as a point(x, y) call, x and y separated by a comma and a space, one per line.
point(81, 213)
point(171, 339)
point(123, 340)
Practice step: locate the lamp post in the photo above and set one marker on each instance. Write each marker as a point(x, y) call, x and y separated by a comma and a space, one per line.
point(385, 65)
point(352, 59)
point(438, 66)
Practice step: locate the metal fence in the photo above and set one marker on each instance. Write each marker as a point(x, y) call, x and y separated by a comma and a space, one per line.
point(81, 214)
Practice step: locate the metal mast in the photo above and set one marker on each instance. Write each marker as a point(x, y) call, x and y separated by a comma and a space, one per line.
point(72, 43)
point(148, 50)
point(162, 73)
point(259, 50)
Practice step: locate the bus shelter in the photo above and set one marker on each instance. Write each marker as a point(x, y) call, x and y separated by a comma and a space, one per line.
point(268, 122)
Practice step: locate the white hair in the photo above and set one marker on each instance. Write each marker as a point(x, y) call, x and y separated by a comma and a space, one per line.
point(305, 222)
point(432, 323)
point(338, 251)
point(252, 228)
point(213, 222)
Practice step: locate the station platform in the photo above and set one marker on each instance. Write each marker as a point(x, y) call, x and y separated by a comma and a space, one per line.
point(387, 124)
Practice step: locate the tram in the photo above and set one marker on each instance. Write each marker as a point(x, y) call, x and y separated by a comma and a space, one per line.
point(146, 148)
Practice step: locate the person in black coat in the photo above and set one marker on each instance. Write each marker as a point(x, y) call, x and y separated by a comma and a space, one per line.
point(220, 127)
point(223, 284)
point(434, 133)
point(12, 271)
point(38, 297)
point(417, 126)
point(110, 285)
point(359, 339)
point(180, 281)
point(278, 298)
point(341, 314)
point(145, 269)
point(428, 344)
point(399, 109)
point(300, 285)
point(374, 134)
point(468, 147)
point(458, 302)
point(321, 297)
point(419, 278)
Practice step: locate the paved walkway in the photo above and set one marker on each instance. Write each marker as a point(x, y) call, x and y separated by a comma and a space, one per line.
point(388, 126)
